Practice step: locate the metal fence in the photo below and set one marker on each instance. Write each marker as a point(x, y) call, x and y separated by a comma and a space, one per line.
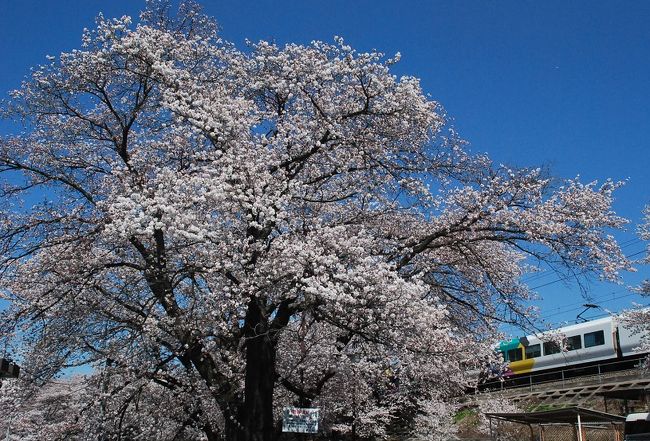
point(506, 431)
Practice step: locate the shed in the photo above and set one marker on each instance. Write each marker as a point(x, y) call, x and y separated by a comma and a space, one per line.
point(577, 417)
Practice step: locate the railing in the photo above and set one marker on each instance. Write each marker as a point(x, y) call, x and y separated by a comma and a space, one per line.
point(569, 375)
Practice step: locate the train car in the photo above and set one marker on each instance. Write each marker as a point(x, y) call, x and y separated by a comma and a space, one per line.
point(603, 343)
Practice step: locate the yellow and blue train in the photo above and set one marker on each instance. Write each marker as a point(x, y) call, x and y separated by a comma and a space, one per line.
point(604, 343)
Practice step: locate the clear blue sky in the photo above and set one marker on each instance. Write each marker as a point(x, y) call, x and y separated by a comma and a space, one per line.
point(554, 83)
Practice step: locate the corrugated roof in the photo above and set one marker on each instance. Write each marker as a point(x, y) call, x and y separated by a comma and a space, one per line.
point(568, 415)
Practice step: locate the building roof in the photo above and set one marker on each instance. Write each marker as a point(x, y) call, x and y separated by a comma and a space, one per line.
point(568, 415)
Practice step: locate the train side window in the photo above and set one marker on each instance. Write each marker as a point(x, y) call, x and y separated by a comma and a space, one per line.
point(514, 355)
point(533, 351)
point(550, 347)
point(574, 342)
point(596, 338)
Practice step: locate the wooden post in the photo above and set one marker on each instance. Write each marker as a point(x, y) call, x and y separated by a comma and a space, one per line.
point(617, 433)
point(541, 433)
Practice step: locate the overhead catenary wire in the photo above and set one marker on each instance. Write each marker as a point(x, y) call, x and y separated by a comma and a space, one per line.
point(547, 272)
point(606, 298)
point(600, 299)
point(570, 276)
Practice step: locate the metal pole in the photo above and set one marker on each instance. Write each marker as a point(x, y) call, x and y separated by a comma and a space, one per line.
point(600, 378)
point(579, 429)
point(490, 420)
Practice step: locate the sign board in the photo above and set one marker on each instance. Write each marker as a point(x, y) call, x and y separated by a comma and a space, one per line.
point(300, 420)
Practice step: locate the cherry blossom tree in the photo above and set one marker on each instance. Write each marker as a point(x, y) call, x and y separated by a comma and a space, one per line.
point(644, 234)
point(222, 232)
point(71, 408)
point(638, 318)
point(47, 412)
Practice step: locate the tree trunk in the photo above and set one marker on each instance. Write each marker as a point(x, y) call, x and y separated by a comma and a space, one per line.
point(232, 429)
point(257, 413)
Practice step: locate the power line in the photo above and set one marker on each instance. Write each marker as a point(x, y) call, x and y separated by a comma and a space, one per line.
point(601, 299)
point(546, 272)
point(570, 276)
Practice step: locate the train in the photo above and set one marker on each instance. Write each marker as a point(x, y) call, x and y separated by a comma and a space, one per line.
point(595, 346)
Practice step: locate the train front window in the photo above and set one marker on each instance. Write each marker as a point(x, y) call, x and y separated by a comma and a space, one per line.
point(596, 338)
point(550, 347)
point(574, 342)
point(533, 351)
point(514, 355)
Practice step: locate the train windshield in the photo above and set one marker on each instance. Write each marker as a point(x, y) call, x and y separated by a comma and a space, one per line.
point(514, 355)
